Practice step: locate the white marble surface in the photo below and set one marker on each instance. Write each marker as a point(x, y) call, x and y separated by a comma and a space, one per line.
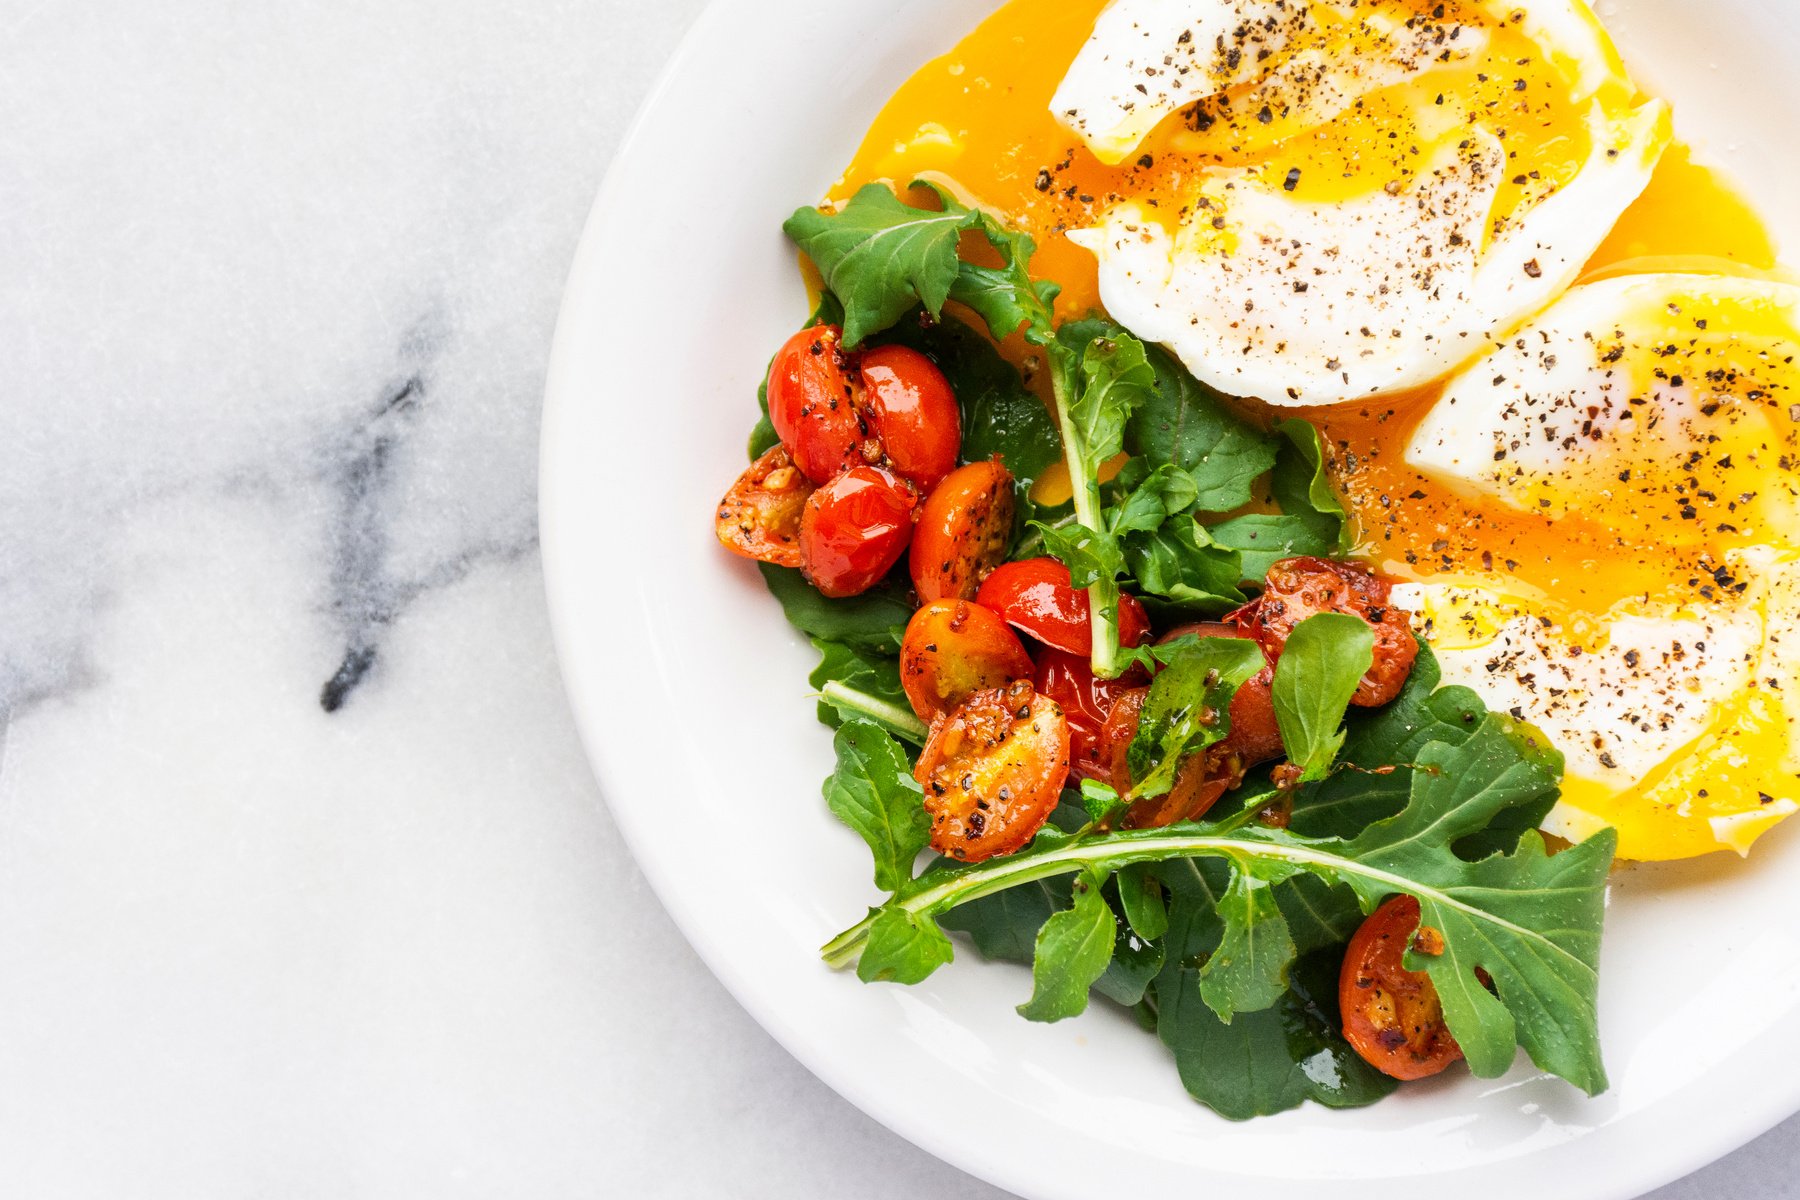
point(277, 284)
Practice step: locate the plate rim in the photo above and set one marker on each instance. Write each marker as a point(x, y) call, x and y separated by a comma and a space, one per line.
point(1626, 1181)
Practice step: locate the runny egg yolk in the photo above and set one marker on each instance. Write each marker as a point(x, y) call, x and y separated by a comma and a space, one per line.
point(979, 120)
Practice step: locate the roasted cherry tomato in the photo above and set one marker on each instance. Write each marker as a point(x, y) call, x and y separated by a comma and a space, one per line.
point(964, 530)
point(1035, 595)
point(813, 403)
point(854, 529)
point(1086, 702)
point(760, 516)
point(1198, 784)
point(1298, 588)
point(954, 648)
point(992, 771)
point(1392, 1016)
point(913, 411)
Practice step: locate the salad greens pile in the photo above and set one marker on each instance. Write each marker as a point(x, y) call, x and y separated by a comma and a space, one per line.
point(1223, 935)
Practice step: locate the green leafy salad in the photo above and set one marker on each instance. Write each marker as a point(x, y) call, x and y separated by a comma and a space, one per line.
point(1090, 634)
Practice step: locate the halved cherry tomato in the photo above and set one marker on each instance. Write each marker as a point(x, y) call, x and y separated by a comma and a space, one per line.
point(1198, 784)
point(964, 530)
point(992, 771)
point(760, 516)
point(953, 648)
point(854, 529)
point(1392, 1016)
point(1086, 701)
point(1298, 588)
point(1035, 595)
point(913, 412)
point(812, 402)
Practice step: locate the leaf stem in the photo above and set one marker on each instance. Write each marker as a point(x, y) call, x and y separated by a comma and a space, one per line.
point(1103, 601)
point(1114, 850)
point(895, 719)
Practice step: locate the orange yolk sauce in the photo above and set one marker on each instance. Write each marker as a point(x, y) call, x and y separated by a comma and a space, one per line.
point(978, 121)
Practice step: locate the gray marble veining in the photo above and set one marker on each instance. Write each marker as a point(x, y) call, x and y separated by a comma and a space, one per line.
point(304, 887)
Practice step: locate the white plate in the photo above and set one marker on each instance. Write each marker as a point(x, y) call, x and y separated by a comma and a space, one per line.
point(690, 691)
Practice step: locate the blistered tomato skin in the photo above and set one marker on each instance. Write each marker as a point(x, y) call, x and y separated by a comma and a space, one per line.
point(913, 412)
point(1298, 588)
point(954, 648)
point(992, 771)
point(1198, 784)
point(1036, 596)
point(760, 516)
point(854, 529)
point(1392, 1016)
point(1086, 701)
point(813, 402)
point(965, 528)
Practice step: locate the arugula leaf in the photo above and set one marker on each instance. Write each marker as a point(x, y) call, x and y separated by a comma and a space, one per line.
point(763, 437)
point(1141, 898)
point(856, 668)
point(1324, 660)
point(1136, 961)
point(1180, 565)
point(903, 947)
point(1530, 920)
point(875, 620)
point(1095, 395)
point(1001, 418)
point(1248, 970)
point(1092, 556)
point(1185, 424)
point(1004, 297)
point(1382, 744)
point(1116, 378)
point(1264, 539)
point(1318, 914)
point(1312, 518)
point(1072, 952)
point(1100, 801)
point(1143, 498)
point(1262, 1062)
point(1004, 926)
point(873, 792)
point(1188, 708)
point(880, 256)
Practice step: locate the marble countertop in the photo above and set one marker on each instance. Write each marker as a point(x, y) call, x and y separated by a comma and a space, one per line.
point(305, 889)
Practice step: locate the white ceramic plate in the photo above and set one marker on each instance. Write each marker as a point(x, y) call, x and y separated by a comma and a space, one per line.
point(690, 691)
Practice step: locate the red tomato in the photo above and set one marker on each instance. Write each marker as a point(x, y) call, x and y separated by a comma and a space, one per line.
point(953, 648)
point(1086, 702)
point(1298, 588)
point(992, 771)
point(1392, 1016)
point(760, 516)
point(1035, 595)
point(812, 402)
point(854, 529)
point(1198, 784)
point(913, 412)
point(965, 528)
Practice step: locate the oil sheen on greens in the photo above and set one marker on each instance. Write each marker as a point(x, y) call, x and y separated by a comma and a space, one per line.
point(1222, 936)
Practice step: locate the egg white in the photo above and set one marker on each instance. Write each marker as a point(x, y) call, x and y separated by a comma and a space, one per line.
point(1309, 303)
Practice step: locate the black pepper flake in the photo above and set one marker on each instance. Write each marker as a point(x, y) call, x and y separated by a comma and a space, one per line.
point(1533, 270)
point(1292, 181)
